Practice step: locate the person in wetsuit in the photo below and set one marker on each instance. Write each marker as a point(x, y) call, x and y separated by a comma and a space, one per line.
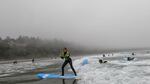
point(65, 54)
point(102, 61)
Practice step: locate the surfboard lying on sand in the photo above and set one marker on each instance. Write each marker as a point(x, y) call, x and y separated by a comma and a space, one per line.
point(56, 76)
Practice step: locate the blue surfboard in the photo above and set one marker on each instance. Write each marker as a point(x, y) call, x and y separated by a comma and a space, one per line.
point(56, 76)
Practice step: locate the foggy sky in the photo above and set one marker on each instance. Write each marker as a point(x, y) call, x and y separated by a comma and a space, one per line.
point(98, 23)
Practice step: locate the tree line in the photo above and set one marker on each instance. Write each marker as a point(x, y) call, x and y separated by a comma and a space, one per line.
point(35, 47)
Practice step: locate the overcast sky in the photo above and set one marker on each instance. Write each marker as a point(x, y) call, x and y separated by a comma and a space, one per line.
point(100, 23)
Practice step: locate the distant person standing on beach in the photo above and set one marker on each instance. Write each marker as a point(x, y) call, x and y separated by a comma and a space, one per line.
point(32, 60)
point(15, 62)
point(65, 54)
point(103, 55)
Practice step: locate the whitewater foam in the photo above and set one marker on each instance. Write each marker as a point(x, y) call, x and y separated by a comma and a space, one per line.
point(22, 67)
point(113, 72)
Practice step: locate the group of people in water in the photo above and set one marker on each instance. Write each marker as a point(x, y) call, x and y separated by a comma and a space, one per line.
point(65, 55)
point(129, 58)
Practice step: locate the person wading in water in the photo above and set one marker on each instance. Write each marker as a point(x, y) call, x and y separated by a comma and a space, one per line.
point(65, 54)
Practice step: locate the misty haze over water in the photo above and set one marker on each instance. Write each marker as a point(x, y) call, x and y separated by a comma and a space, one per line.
point(101, 24)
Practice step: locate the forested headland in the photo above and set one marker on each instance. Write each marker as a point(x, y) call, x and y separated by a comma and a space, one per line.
point(34, 47)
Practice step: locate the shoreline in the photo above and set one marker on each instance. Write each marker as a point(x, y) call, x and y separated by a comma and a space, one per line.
point(29, 77)
point(4, 61)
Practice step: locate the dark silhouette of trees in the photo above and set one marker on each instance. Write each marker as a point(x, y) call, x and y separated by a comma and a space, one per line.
point(34, 47)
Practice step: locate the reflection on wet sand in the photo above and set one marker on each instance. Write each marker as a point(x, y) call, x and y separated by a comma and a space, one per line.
point(63, 81)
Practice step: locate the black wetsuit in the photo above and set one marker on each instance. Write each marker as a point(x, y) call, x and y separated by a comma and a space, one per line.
point(68, 60)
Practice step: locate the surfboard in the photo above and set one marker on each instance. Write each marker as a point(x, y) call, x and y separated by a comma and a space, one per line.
point(56, 76)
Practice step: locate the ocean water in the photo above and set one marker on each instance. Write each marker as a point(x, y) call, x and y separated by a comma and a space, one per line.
point(116, 71)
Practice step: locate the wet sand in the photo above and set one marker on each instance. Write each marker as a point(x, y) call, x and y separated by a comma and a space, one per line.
point(30, 76)
point(53, 81)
